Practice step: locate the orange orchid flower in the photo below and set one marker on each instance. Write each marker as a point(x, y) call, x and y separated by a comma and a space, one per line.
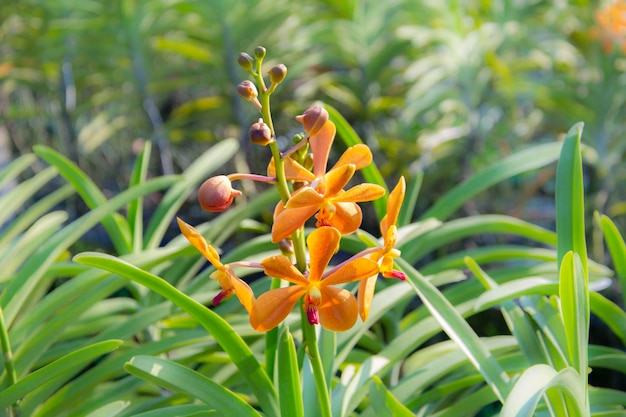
point(387, 253)
point(332, 307)
point(224, 274)
point(611, 26)
point(324, 193)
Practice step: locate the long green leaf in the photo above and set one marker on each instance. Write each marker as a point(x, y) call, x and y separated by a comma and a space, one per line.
point(223, 333)
point(176, 377)
point(384, 403)
point(289, 389)
point(26, 280)
point(617, 249)
point(415, 246)
point(534, 382)
point(570, 203)
point(15, 168)
point(458, 330)
point(574, 295)
point(526, 160)
point(135, 208)
point(118, 230)
point(15, 199)
point(59, 369)
point(191, 410)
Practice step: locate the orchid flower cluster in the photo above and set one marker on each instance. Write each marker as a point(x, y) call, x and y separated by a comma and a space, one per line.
point(307, 189)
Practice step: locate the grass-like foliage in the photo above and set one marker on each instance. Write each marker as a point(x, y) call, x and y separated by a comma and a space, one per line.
point(271, 326)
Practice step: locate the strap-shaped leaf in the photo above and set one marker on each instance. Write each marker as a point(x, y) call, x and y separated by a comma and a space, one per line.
point(223, 333)
point(176, 377)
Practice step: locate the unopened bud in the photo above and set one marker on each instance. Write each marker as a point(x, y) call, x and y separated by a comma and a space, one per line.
point(245, 61)
point(260, 133)
point(247, 90)
point(259, 52)
point(313, 119)
point(216, 194)
point(286, 247)
point(277, 73)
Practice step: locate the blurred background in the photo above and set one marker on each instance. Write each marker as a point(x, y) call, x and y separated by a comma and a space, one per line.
point(442, 88)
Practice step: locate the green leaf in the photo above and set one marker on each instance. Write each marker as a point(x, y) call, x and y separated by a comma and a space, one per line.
point(458, 330)
point(62, 368)
point(15, 168)
point(533, 384)
point(135, 208)
point(370, 172)
point(570, 203)
point(526, 160)
point(574, 295)
point(118, 230)
point(110, 410)
point(384, 403)
point(617, 249)
point(195, 410)
point(289, 389)
point(30, 274)
point(610, 313)
point(223, 333)
point(515, 289)
point(176, 377)
point(419, 243)
point(15, 199)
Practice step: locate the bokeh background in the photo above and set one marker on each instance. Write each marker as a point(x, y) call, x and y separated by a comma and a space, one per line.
point(442, 88)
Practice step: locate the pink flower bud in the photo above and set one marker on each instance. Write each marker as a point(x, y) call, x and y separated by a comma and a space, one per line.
point(313, 119)
point(277, 73)
point(260, 133)
point(216, 194)
point(247, 90)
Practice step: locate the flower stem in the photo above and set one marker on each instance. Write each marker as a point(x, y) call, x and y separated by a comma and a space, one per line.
point(323, 394)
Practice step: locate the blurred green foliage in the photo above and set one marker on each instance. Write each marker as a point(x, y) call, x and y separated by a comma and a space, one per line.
point(439, 87)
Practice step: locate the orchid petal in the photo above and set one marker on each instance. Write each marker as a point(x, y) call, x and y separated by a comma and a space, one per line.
point(280, 267)
point(338, 310)
point(347, 217)
point(293, 171)
point(305, 197)
point(243, 291)
point(359, 155)
point(337, 178)
point(356, 270)
point(274, 306)
point(289, 220)
point(197, 240)
point(365, 295)
point(396, 197)
point(361, 192)
point(323, 244)
point(320, 147)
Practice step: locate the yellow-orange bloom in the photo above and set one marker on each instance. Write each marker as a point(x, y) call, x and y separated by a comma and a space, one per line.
point(387, 253)
point(224, 275)
point(611, 26)
point(324, 193)
point(332, 307)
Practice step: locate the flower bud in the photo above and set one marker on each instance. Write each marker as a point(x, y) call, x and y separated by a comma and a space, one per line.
point(313, 119)
point(216, 194)
point(277, 73)
point(245, 61)
point(259, 52)
point(247, 90)
point(260, 133)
